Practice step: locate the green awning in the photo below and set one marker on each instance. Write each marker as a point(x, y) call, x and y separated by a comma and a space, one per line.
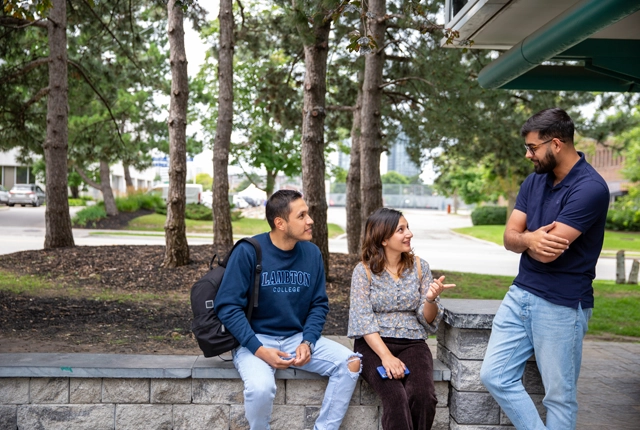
point(593, 64)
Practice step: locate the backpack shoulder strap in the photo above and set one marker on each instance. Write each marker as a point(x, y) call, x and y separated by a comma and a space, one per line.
point(253, 298)
point(419, 266)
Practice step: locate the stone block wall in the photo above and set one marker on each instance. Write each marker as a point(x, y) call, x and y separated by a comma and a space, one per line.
point(462, 342)
point(65, 391)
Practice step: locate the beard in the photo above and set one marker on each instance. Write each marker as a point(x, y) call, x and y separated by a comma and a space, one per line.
point(547, 164)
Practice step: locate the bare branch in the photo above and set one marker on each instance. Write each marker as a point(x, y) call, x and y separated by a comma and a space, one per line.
point(95, 90)
point(28, 67)
point(408, 78)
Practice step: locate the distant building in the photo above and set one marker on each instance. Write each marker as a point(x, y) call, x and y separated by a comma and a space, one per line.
point(398, 159)
point(12, 172)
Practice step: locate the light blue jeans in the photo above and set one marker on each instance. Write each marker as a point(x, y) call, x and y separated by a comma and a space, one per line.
point(526, 324)
point(329, 359)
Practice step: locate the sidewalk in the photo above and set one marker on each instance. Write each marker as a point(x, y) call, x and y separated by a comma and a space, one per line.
point(609, 386)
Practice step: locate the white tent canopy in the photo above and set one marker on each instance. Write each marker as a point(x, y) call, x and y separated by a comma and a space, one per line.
point(253, 192)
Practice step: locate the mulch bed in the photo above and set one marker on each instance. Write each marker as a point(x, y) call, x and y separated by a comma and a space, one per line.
point(62, 320)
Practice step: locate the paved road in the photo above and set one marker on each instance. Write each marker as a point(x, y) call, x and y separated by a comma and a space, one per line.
point(23, 229)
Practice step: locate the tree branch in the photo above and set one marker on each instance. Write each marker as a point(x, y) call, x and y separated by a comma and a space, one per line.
point(341, 108)
point(397, 58)
point(95, 90)
point(17, 23)
point(86, 178)
point(394, 94)
point(37, 96)
point(389, 16)
point(28, 67)
point(408, 78)
point(126, 53)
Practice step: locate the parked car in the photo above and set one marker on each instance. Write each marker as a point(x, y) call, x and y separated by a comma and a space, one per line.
point(193, 192)
point(4, 195)
point(26, 194)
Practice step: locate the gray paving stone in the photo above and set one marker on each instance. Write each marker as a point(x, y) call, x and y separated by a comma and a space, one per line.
point(172, 391)
point(66, 417)
point(218, 391)
point(144, 417)
point(210, 417)
point(50, 365)
point(49, 390)
point(361, 418)
point(14, 391)
point(85, 390)
point(125, 391)
point(9, 417)
point(474, 408)
point(468, 313)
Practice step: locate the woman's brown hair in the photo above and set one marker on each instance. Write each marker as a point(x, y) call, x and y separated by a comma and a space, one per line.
point(380, 226)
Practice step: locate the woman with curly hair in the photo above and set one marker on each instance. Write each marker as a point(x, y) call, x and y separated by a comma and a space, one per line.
point(394, 305)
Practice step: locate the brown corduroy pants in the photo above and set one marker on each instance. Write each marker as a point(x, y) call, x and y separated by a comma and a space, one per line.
point(408, 403)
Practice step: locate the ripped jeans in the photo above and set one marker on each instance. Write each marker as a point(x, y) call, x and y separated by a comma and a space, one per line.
point(329, 359)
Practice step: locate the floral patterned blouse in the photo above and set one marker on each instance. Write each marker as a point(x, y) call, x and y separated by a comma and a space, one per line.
point(393, 308)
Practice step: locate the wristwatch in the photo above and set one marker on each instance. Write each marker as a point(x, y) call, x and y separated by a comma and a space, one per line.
point(310, 345)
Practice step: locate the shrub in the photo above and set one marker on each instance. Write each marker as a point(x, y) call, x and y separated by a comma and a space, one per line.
point(138, 200)
point(76, 202)
point(624, 213)
point(90, 215)
point(198, 212)
point(625, 219)
point(489, 215)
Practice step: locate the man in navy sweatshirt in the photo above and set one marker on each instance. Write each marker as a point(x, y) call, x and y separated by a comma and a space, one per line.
point(285, 328)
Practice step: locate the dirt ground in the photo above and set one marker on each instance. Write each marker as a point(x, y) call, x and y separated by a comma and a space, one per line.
point(156, 319)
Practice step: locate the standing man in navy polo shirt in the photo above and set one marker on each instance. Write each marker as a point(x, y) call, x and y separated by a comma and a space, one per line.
point(558, 227)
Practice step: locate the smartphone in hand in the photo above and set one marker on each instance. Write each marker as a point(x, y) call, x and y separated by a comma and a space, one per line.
point(383, 372)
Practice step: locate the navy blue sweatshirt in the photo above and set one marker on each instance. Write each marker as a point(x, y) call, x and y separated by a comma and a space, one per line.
point(292, 296)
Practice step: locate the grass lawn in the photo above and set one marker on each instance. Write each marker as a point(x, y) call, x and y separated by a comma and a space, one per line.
point(243, 227)
point(613, 240)
point(617, 306)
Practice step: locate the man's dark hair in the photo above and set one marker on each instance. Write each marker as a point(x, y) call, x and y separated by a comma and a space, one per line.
point(278, 205)
point(550, 123)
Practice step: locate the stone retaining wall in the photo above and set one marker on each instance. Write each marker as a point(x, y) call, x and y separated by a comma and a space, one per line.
point(111, 391)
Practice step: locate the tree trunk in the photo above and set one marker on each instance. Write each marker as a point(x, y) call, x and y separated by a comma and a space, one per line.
point(57, 219)
point(222, 231)
point(371, 135)
point(177, 249)
point(75, 191)
point(313, 111)
point(127, 178)
point(354, 204)
point(271, 182)
point(107, 191)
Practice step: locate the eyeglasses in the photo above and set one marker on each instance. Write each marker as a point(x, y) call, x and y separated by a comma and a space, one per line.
point(533, 148)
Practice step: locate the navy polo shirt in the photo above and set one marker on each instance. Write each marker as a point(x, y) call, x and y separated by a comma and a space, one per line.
point(581, 201)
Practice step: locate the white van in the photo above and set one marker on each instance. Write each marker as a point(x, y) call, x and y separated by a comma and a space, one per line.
point(192, 191)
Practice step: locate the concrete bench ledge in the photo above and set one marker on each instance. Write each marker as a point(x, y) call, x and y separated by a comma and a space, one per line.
point(57, 365)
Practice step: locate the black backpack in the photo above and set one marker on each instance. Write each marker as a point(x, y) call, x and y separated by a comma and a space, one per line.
point(209, 331)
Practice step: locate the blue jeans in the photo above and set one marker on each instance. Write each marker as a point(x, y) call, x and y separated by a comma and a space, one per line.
point(527, 324)
point(329, 359)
